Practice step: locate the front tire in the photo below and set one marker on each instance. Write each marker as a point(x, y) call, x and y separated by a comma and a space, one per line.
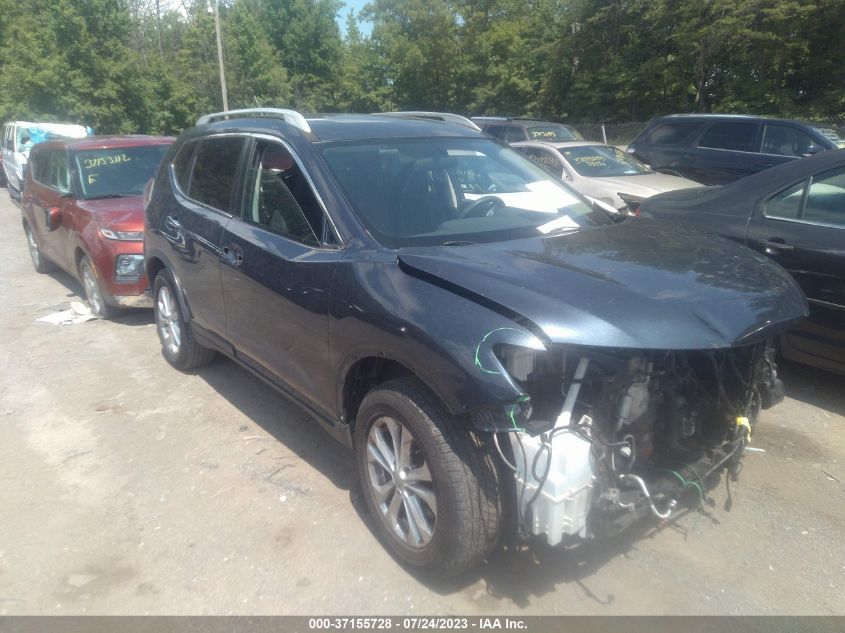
point(177, 342)
point(93, 292)
point(430, 482)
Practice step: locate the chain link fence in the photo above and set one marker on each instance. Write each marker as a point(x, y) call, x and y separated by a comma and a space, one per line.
point(611, 133)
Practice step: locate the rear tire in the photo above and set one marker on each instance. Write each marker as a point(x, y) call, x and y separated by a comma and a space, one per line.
point(39, 262)
point(177, 342)
point(93, 291)
point(430, 483)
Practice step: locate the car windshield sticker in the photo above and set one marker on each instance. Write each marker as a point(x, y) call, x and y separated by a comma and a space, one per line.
point(550, 133)
point(544, 160)
point(592, 161)
point(88, 165)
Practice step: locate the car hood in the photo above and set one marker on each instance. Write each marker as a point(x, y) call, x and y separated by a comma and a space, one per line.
point(636, 284)
point(644, 185)
point(119, 213)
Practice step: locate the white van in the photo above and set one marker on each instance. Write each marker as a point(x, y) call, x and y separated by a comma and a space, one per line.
point(20, 136)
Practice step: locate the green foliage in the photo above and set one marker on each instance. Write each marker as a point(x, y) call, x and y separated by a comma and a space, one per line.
point(120, 66)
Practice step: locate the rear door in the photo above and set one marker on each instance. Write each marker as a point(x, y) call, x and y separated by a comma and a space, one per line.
point(51, 189)
point(205, 173)
point(279, 257)
point(725, 151)
point(803, 228)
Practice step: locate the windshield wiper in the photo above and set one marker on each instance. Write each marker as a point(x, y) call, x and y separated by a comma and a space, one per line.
point(457, 243)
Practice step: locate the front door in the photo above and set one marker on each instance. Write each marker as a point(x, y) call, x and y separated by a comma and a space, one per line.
point(279, 258)
point(803, 229)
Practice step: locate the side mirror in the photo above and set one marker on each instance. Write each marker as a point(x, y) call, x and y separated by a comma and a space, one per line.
point(811, 150)
point(54, 218)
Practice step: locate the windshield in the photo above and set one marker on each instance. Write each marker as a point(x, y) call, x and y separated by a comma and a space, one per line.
point(552, 133)
point(439, 191)
point(597, 161)
point(29, 136)
point(119, 171)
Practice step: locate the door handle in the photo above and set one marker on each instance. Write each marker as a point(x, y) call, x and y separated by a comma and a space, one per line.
point(172, 223)
point(763, 164)
point(776, 244)
point(233, 255)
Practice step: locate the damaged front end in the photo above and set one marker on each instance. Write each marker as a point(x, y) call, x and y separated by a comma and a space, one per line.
point(602, 437)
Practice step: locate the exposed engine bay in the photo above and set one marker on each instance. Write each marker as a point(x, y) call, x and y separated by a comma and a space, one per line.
point(602, 438)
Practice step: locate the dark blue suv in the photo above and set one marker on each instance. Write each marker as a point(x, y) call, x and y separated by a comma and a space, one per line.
point(716, 149)
point(499, 351)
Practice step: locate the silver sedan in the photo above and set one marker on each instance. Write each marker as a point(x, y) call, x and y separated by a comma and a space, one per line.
point(603, 172)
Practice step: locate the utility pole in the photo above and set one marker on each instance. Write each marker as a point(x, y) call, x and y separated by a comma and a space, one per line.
point(220, 55)
point(158, 28)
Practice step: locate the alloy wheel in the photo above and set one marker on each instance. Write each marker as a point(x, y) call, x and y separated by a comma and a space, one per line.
point(34, 253)
point(92, 290)
point(401, 483)
point(169, 327)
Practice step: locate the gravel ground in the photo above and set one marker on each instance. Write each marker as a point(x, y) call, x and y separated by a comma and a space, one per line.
point(127, 487)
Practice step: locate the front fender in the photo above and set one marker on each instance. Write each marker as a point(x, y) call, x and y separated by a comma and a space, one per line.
point(446, 340)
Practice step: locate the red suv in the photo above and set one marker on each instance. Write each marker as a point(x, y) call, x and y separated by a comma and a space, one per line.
point(83, 211)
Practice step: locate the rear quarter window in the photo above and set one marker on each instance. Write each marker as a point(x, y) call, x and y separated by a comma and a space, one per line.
point(671, 133)
point(182, 165)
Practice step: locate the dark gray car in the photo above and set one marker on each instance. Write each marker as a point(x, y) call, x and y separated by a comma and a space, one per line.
point(716, 149)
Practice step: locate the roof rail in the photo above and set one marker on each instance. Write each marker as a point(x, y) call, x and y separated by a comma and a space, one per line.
point(447, 117)
point(492, 118)
point(289, 116)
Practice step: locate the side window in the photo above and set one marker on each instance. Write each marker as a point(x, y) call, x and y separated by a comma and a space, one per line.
point(514, 133)
point(787, 203)
point(50, 169)
point(826, 199)
point(182, 164)
point(59, 175)
point(544, 159)
point(279, 197)
point(38, 164)
point(496, 130)
point(738, 136)
point(215, 169)
point(671, 133)
point(785, 140)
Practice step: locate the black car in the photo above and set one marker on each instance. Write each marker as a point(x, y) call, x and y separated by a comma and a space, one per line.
point(512, 130)
point(794, 214)
point(716, 149)
point(496, 350)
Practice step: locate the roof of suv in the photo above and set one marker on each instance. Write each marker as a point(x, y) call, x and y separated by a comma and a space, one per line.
point(755, 117)
point(348, 127)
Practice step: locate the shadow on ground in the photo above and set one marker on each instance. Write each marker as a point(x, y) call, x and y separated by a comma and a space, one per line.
point(514, 572)
point(281, 418)
point(816, 387)
point(126, 316)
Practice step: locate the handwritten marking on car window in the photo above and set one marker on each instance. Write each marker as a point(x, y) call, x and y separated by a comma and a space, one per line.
point(111, 159)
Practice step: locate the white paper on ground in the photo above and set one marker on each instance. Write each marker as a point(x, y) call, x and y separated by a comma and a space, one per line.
point(78, 313)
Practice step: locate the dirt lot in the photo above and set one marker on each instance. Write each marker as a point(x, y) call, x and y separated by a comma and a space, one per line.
point(128, 487)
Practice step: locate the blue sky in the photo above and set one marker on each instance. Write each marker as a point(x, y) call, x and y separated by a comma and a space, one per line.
point(356, 5)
